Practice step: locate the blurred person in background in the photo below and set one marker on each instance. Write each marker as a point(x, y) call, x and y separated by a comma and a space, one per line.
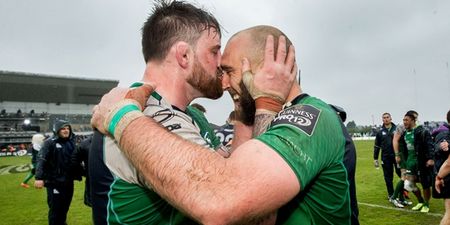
point(383, 142)
point(225, 132)
point(79, 163)
point(36, 144)
point(417, 148)
point(53, 170)
point(442, 167)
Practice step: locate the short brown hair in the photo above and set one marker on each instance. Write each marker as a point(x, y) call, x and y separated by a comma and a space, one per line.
point(171, 22)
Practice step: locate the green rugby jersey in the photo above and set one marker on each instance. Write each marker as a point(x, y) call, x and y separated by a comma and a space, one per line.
point(411, 161)
point(131, 199)
point(308, 136)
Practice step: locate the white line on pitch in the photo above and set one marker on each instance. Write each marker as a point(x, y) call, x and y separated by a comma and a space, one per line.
point(399, 209)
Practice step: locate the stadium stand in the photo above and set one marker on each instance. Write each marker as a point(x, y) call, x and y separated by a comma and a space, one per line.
point(31, 102)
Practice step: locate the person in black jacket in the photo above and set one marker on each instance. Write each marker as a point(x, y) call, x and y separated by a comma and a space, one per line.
point(383, 141)
point(53, 171)
point(80, 159)
point(101, 179)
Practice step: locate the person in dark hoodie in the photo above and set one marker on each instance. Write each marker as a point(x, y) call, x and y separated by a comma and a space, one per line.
point(53, 171)
point(441, 187)
point(441, 137)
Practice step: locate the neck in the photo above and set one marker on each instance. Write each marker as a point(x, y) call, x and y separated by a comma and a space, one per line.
point(412, 127)
point(169, 83)
point(388, 125)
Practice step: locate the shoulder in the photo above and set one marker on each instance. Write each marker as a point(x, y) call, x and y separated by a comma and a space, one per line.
point(50, 141)
point(400, 129)
point(307, 116)
point(420, 130)
point(174, 120)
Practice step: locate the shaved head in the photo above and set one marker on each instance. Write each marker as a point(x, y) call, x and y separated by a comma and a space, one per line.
point(249, 43)
point(256, 41)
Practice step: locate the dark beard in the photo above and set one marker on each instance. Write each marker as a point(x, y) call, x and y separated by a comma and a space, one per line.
point(210, 87)
point(247, 105)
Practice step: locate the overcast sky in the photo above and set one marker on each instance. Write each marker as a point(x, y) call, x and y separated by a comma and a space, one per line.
point(368, 57)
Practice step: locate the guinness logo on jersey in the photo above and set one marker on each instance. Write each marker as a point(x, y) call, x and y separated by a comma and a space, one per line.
point(303, 117)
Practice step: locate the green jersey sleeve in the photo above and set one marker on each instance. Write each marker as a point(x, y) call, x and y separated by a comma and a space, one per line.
point(308, 136)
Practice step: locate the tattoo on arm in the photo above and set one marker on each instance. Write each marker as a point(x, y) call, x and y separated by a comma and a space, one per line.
point(262, 121)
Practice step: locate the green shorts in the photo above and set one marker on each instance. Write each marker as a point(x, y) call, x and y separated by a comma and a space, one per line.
point(411, 167)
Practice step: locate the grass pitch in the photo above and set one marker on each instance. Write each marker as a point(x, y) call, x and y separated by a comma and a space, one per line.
point(28, 206)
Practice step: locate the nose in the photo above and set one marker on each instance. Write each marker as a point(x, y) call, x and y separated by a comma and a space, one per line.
point(225, 82)
point(219, 58)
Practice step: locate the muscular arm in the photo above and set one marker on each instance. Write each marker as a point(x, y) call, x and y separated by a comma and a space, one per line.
point(443, 172)
point(202, 184)
point(395, 144)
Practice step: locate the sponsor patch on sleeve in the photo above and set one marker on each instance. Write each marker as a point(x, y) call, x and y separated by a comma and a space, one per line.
point(303, 117)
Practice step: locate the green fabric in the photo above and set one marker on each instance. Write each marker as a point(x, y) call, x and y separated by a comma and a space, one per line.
point(28, 177)
point(316, 156)
point(398, 192)
point(136, 84)
point(411, 161)
point(132, 204)
point(205, 129)
point(30, 174)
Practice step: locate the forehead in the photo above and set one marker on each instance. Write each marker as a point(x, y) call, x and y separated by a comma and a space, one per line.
point(233, 51)
point(208, 38)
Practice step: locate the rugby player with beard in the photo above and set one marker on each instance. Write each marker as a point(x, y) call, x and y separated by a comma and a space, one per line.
point(181, 48)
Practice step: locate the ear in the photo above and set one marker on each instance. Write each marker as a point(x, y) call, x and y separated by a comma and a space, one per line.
point(183, 54)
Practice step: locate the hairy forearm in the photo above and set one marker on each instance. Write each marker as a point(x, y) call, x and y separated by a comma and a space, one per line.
point(198, 182)
point(156, 163)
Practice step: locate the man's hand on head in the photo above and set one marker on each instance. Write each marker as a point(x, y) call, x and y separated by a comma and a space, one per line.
point(277, 74)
